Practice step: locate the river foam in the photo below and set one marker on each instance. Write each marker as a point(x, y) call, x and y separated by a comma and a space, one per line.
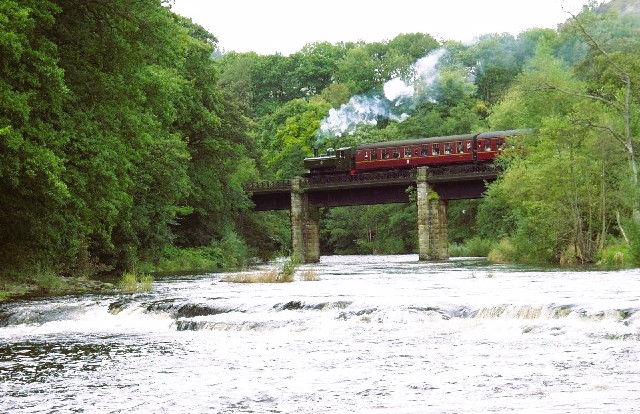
point(373, 334)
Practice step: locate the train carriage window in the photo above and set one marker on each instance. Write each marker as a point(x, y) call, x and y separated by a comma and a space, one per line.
point(424, 151)
point(435, 149)
point(374, 155)
point(447, 148)
point(460, 147)
point(407, 152)
point(396, 152)
point(385, 154)
point(500, 144)
point(487, 145)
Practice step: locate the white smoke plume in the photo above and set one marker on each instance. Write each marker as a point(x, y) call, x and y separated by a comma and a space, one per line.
point(425, 73)
point(396, 90)
point(360, 110)
point(367, 110)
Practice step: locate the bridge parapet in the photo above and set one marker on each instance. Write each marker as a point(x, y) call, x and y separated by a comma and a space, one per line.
point(267, 186)
point(462, 171)
point(454, 173)
point(363, 179)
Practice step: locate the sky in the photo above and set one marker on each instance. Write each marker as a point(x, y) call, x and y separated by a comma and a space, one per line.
point(285, 26)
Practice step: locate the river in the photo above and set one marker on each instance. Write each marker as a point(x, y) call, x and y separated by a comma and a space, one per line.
point(375, 334)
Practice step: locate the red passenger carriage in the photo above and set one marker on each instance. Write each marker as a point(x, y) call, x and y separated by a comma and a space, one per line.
point(453, 149)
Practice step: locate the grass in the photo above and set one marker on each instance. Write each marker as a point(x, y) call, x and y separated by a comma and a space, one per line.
point(132, 282)
point(44, 282)
point(309, 275)
point(266, 276)
point(285, 275)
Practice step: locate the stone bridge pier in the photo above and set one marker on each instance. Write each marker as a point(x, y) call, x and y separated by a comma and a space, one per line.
point(305, 231)
point(433, 235)
point(433, 239)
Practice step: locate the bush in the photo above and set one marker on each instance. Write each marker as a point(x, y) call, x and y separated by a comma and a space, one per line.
point(504, 252)
point(457, 250)
point(189, 259)
point(131, 282)
point(289, 269)
point(633, 232)
point(473, 247)
point(230, 253)
point(617, 256)
point(49, 281)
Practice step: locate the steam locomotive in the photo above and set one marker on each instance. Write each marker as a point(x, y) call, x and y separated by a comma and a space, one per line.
point(434, 151)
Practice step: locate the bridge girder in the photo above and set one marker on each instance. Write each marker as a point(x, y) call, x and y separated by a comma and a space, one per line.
point(463, 182)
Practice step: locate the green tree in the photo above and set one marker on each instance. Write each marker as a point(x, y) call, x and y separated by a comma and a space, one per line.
point(216, 130)
point(315, 66)
point(562, 194)
point(126, 168)
point(612, 66)
point(376, 229)
point(498, 58)
point(289, 134)
point(33, 187)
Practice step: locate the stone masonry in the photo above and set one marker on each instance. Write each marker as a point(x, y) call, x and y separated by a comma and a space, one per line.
point(433, 238)
point(305, 233)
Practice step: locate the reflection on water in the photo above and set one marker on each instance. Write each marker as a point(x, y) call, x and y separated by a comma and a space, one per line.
point(375, 333)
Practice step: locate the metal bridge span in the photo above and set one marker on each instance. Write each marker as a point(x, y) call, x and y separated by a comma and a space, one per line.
point(432, 187)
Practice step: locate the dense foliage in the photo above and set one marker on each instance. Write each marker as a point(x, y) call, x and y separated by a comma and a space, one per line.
point(125, 137)
point(110, 122)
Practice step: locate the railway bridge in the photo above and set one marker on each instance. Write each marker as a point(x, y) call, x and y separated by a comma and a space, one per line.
point(433, 188)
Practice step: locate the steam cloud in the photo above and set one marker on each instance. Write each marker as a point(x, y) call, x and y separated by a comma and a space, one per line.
point(398, 96)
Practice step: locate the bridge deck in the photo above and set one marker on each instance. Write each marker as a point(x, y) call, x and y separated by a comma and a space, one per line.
point(451, 182)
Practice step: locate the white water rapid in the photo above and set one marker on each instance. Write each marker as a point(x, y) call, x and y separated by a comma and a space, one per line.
point(375, 334)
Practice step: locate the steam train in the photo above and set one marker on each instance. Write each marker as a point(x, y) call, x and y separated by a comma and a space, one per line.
point(434, 151)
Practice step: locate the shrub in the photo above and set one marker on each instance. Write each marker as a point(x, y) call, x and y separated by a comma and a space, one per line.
point(289, 269)
point(131, 282)
point(478, 247)
point(633, 232)
point(617, 256)
point(504, 252)
point(457, 250)
point(48, 281)
point(230, 253)
point(473, 247)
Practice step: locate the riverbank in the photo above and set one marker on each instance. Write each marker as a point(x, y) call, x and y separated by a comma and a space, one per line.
point(616, 255)
point(42, 285)
point(34, 281)
point(201, 260)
